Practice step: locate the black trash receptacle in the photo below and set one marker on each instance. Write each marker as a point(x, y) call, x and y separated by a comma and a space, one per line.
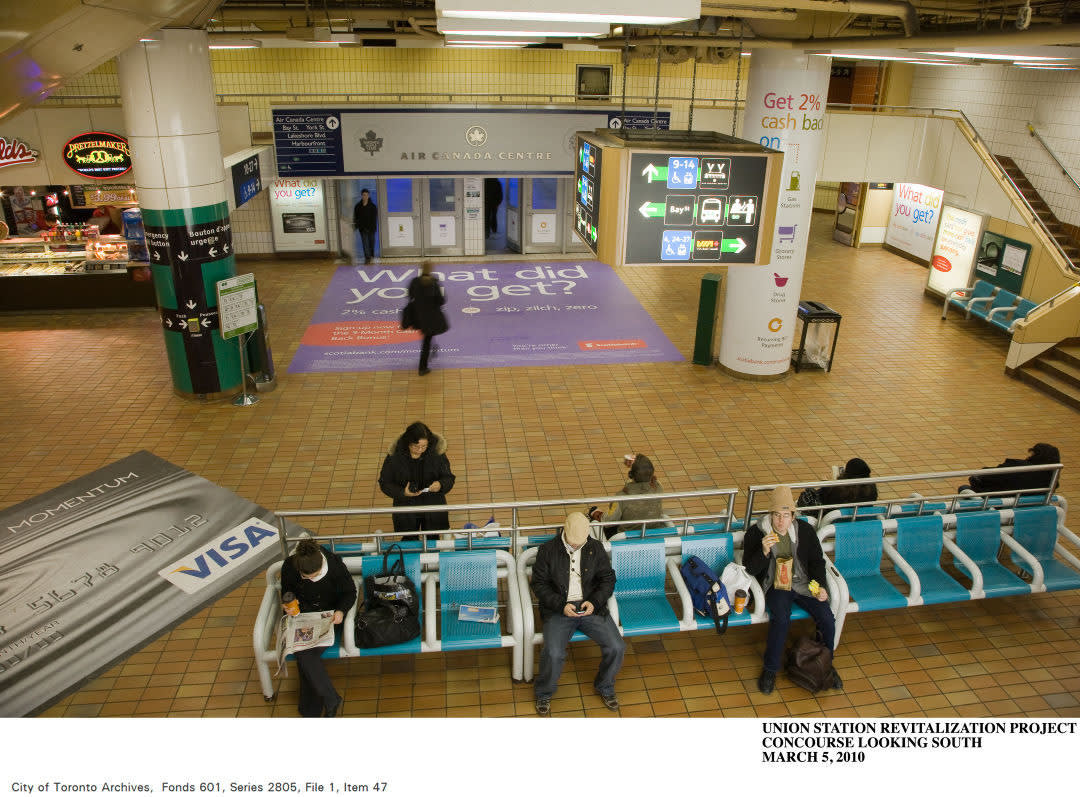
point(817, 339)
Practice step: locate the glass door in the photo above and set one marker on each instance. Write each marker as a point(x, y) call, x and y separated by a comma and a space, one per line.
point(543, 221)
point(513, 213)
point(442, 214)
point(399, 216)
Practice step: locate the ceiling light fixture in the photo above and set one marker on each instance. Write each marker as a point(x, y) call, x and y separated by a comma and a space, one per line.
point(607, 12)
point(235, 44)
point(996, 56)
point(516, 28)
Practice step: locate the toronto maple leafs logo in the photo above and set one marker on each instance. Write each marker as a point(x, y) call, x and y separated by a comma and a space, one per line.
point(371, 143)
point(476, 136)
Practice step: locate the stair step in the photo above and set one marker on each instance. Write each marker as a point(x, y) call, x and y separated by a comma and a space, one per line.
point(1060, 389)
point(1060, 369)
point(1065, 352)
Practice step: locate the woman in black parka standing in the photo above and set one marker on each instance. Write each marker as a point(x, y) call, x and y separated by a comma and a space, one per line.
point(417, 473)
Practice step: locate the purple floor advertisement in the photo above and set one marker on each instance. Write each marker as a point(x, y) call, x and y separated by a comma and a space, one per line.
point(500, 314)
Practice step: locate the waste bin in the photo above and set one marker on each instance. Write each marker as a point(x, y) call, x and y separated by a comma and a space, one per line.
point(260, 358)
point(817, 339)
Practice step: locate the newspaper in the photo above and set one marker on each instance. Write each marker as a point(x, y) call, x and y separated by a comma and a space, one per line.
point(302, 632)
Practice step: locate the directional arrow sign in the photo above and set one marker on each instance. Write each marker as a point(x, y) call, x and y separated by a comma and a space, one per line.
point(190, 305)
point(735, 245)
point(655, 173)
point(652, 210)
point(182, 256)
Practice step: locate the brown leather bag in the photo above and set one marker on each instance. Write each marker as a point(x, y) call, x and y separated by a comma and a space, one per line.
point(809, 664)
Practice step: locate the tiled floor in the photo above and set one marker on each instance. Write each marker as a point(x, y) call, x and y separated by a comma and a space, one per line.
point(908, 393)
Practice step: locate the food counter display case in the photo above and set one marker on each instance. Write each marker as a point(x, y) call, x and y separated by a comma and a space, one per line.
point(70, 270)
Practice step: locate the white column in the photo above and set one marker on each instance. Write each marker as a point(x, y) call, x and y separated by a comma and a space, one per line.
point(168, 94)
point(785, 110)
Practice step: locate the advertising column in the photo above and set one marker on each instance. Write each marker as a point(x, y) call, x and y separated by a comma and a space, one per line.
point(785, 110)
point(168, 96)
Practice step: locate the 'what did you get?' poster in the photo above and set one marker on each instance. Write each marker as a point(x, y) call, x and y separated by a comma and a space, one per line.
point(500, 314)
point(914, 219)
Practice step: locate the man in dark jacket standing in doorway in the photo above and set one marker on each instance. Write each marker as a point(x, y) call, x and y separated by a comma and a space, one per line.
point(365, 220)
point(573, 579)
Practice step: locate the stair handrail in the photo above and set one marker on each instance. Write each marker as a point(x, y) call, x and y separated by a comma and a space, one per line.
point(980, 143)
point(1050, 152)
point(978, 139)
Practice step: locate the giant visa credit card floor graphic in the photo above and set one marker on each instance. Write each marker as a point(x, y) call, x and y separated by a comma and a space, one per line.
point(98, 567)
point(500, 314)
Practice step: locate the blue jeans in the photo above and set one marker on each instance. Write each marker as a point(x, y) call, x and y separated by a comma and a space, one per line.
point(558, 629)
point(779, 602)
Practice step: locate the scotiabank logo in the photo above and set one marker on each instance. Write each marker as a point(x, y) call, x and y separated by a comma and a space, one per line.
point(220, 556)
point(941, 263)
point(598, 345)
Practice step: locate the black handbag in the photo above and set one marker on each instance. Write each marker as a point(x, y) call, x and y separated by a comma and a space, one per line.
point(389, 612)
point(408, 316)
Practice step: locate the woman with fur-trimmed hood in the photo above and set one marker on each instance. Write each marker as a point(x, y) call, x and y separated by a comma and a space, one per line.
point(416, 472)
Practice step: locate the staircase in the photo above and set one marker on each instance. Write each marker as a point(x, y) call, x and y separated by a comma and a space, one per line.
point(1056, 372)
point(1042, 210)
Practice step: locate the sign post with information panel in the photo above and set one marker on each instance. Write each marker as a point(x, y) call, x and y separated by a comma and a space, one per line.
point(238, 316)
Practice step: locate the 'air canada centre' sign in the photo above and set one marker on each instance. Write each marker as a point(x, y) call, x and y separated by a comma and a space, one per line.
point(97, 155)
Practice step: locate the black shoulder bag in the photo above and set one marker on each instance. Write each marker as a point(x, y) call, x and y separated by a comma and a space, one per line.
point(389, 612)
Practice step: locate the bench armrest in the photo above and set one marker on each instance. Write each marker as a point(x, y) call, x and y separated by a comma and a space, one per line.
point(977, 590)
point(955, 292)
point(996, 310)
point(914, 597)
point(1037, 578)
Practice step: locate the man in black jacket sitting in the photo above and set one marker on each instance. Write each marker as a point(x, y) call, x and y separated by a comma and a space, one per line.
point(573, 579)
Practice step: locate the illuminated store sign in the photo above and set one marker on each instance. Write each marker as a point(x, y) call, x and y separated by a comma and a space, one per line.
point(15, 153)
point(99, 156)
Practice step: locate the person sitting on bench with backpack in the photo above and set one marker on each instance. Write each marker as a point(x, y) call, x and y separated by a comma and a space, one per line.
point(783, 553)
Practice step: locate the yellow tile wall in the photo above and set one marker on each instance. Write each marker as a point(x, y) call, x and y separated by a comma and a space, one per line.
point(374, 74)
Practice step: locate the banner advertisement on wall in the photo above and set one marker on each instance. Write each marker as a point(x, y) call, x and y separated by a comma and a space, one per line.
point(298, 215)
point(430, 141)
point(913, 220)
point(954, 250)
point(785, 110)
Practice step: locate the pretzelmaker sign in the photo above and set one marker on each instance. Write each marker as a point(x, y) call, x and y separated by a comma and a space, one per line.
point(97, 155)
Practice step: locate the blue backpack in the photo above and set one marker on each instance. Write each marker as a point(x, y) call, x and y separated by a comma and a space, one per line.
point(709, 595)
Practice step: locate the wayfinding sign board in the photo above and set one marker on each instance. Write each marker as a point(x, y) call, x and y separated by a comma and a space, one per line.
point(696, 207)
point(587, 192)
point(671, 197)
point(237, 305)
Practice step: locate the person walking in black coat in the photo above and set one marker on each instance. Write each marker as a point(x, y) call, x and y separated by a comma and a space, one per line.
point(321, 582)
point(365, 220)
point(427, 298)
point(417, 473)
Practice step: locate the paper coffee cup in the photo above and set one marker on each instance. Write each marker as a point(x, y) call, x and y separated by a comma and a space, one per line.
point(628, 460)
point(740, 601)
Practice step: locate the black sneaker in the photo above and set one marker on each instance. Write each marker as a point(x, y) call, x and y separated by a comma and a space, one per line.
point(425, 371)
point(766, 682)
point(837, 681)
point(543, 706)
point(610, 701)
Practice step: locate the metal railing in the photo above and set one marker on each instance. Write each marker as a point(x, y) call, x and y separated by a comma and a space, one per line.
point(1050, 152)
point(915, 501)
point(516, 529)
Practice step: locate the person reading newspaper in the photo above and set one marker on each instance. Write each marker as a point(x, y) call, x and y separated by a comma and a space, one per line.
point(321, 583)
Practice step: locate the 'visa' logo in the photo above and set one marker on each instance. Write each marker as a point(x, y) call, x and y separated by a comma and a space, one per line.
point(221, 556)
